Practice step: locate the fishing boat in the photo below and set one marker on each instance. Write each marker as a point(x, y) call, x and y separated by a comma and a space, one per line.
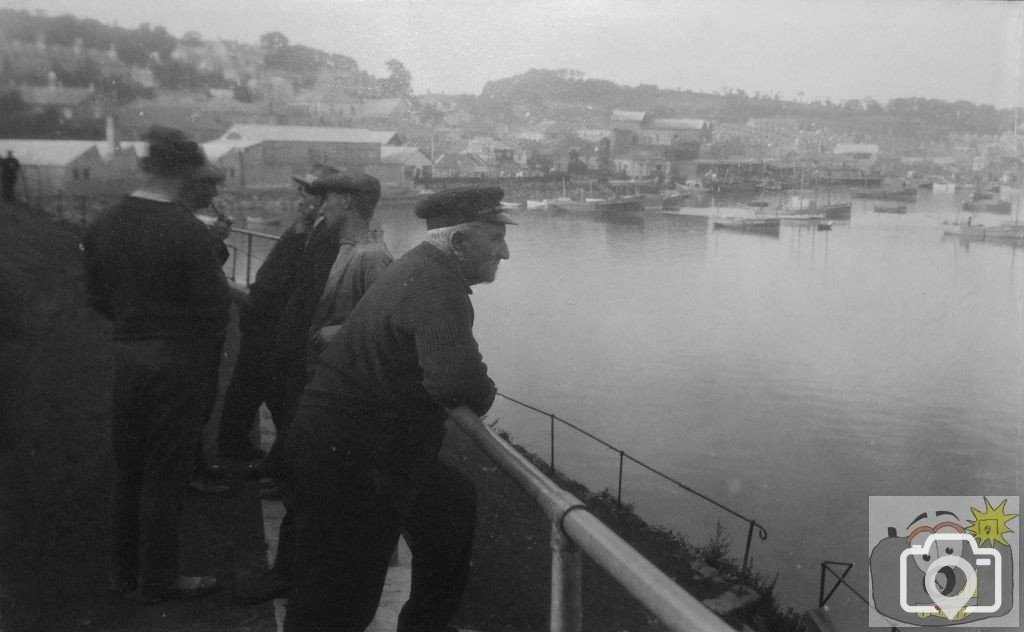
point(801, 205)
point(764, 225)
point(890, 208)
point(979, 232)
point(617, 203)
point(893, 193)
point(987, 205)
point(627, 204)
point(837, 210)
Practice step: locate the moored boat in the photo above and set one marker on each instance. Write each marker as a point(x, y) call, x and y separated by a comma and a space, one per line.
point(890, 208)
point(979, 232)
point(627, 204)
point(1001, 207)
point(895, 193)
point(765, 225)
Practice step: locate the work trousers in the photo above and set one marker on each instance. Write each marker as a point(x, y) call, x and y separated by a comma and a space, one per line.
point(350, 508)
point(254, 382)
point(162, 392)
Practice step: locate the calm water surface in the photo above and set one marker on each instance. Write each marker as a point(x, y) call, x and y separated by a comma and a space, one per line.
point(787, 377)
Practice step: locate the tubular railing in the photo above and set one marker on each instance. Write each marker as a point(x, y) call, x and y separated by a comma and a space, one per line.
point(575, 529)
point(249, 256)
point(752, 525)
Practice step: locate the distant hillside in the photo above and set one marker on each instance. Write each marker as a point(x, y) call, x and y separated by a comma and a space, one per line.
point(128, 63)
point(567, 96)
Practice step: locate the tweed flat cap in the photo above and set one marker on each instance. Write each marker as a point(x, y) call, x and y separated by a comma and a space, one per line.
point(459, 205)
point(362, 185)
point(318, 171)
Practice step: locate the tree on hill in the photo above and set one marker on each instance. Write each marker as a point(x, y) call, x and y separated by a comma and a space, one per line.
point(399, 82)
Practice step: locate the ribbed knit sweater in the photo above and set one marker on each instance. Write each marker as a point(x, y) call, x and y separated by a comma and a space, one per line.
point(407, 352)
point(152, 268)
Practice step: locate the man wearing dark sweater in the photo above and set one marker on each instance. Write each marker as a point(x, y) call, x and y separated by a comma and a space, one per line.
point(365, 441)
point(152, 269)
point(255, 379)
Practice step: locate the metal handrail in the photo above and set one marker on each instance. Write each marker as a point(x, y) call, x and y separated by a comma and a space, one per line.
point(249, 234)
point(752, 524)
point(573, 525)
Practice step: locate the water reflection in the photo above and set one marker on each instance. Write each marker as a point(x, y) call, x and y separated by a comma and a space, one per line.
point(790, 377)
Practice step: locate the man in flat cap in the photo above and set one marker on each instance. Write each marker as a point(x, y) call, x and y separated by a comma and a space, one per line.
point(365, 440)
point(254, 380)
point(342, 199)
point(152, 268)
point(360, 261)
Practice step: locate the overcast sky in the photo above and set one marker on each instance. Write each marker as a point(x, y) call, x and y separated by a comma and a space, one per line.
point(809, 49)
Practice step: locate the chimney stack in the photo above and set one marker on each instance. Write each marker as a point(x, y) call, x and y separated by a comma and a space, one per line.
point(111, 136)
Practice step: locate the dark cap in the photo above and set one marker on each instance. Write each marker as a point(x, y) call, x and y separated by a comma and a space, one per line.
point(364, 186)
point(318, 171)
point(460, 205)
point(171, 153)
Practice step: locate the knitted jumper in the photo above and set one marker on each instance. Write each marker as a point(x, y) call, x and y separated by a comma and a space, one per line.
point(407, 352)
point(152, 268)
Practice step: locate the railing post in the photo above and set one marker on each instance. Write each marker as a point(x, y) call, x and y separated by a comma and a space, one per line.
point(566, 583)
point(618, 497)
point(552, 460)
point(248, 260)
point(746, 551)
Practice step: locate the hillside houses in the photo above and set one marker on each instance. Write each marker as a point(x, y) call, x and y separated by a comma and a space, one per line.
point(643, 146)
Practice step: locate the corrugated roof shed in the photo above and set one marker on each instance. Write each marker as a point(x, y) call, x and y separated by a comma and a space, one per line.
point(308, 134)
point(50, 153)
point(217, 148)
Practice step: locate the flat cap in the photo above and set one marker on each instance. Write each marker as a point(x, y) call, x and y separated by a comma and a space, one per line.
point(318, 171)
point(460, 205)
point(362, 185)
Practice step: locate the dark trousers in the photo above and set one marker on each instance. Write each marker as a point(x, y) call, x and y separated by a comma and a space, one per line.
point(8, 190)
point(290, 369)
point(161, 398)
point(350, 509)
point(253, 383)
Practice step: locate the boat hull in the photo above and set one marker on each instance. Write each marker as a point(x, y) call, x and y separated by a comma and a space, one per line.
point(999, 207)
point(621, 205)
point(768, 226)
point(840, 210)
point(1008, 233)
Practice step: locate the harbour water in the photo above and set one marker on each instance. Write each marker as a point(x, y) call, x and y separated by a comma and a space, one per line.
point(789, 377)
